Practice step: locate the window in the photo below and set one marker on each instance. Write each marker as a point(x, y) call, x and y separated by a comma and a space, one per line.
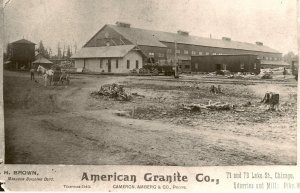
point(267, 58)
point(177, 51)
point(186, 52)
point(187, 66)
point(196, 65)
point(200, 53)
point(225, 66)
point(161, 55)
point(137, 64)
point(151, 54)
point(128, 64)
point(169, 51)
point(207, 53)
point(214, 53)
point(242, 66)
point(254, 66)
point(101, 63)
point(193, 53)
point(117, 63)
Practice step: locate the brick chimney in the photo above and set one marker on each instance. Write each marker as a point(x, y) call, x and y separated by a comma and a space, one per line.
point(122, 24)
point(184, 33)
point(226, 39)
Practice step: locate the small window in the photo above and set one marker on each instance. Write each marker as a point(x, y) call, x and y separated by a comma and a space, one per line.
point(207, 53)
point(254, 66)
point(101, 63)
point(137, 64)
point(117, 63)
point(187, 66)
point(177, 51)
point(151, 54)
point(242, 66)
point(200, 53)
point(186, 52)
point(196, 65)
point(193, 53)
point(161, 55)
point(214, 53)
point(128, 64)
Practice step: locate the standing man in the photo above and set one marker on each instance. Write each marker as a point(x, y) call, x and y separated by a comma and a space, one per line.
point(32, 73)
point(284, 72)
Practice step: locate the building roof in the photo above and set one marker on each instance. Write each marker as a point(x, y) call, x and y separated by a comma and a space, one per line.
point(276, 62)
point(22, 41)
point(104, 52)
point(156, 38)
point(41, 60)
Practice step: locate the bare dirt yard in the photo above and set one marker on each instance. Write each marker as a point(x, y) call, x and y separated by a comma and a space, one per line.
point(66, 125)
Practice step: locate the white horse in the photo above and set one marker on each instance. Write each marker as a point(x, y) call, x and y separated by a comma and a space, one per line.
point(47, 74)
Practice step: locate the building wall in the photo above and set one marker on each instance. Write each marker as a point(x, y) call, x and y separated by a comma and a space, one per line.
point(244, 63)
point(202, 50)
point(102, 64)
point(22, 52)
point(79, 63)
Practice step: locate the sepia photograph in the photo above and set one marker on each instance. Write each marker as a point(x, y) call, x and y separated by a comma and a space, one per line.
point(150, 82)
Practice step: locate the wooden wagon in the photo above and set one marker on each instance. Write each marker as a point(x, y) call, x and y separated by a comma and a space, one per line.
point(59, 77)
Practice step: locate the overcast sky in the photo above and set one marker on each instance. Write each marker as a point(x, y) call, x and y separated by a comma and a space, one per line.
point(273, 22)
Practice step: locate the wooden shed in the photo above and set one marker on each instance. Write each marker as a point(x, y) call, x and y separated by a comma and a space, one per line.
point(41, 60)
point(233, 63)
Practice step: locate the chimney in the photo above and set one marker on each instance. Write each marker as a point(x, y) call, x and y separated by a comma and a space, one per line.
point(259, 43)
point(122, 24)
point(226, 39)
point(184, 33)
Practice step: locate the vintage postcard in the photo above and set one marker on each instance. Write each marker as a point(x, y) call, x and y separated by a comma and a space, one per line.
point(149, 95)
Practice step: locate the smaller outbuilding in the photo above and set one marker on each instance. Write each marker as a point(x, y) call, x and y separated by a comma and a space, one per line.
point(41, 60)
point(232, 63)
point(112, 59)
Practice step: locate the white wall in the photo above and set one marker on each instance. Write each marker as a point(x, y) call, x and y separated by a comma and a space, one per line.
point(79, 63)
point(93, 64)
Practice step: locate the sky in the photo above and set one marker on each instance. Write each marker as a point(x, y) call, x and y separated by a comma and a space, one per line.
point(273, 22)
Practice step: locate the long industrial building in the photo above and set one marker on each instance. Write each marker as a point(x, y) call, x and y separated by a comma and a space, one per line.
point(161, 47)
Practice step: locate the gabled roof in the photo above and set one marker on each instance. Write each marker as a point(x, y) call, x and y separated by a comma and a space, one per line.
point(156, 38)
point(104, 52)
point(23, 41)
point(39, 59)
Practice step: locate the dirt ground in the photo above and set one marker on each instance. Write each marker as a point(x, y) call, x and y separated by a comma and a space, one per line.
point(66, 125)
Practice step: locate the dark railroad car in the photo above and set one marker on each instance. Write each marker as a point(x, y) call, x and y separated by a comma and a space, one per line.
point(233, 63)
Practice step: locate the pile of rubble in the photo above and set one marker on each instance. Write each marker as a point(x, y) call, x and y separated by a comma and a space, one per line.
point(114, 91)
point(209, 106)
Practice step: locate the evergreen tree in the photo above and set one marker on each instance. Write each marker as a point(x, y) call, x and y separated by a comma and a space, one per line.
point(59, 54)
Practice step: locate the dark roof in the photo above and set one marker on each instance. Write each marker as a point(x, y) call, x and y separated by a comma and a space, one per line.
point(104, 52)
point(156, 38)
point(22, 41)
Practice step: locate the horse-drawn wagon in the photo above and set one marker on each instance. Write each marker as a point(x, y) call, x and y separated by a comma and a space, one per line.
point(55, 75)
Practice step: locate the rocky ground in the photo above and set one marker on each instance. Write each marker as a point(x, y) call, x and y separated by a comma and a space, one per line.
point(68, 125)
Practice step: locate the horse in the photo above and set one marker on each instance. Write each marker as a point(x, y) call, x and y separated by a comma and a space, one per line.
point(47, 74)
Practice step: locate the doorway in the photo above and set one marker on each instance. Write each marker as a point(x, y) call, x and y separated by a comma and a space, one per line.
point(218, 67)
point(109, 65)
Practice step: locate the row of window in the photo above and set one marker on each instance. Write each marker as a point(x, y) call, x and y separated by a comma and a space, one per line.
point(117, 63)
point(207, 53)
point(242, 66)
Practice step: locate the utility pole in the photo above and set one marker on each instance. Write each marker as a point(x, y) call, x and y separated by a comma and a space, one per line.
point(176, 61)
